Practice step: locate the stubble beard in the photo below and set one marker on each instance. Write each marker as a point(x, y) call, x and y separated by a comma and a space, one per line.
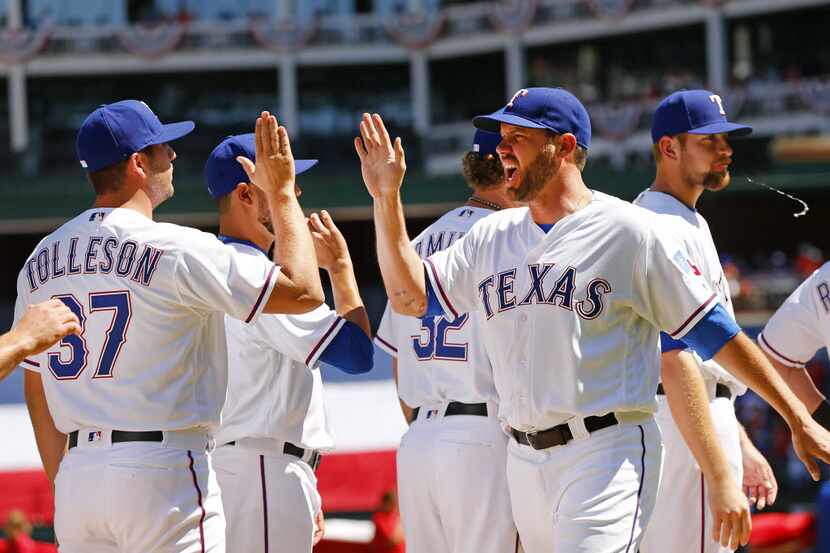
point(537, 175)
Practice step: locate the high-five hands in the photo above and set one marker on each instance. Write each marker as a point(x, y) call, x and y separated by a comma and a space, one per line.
point(382, 162)
point(274, 169)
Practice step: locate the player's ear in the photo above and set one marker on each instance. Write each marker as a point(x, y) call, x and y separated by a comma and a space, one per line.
point(245, 194)
point(567, 145)
point(138, 165)
point(669, 147)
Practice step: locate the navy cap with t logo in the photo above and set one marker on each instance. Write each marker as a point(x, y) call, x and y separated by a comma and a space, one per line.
point(554, 109)
point(114, 132)
point(694, 112)
point(485, 142)
point(223, 173)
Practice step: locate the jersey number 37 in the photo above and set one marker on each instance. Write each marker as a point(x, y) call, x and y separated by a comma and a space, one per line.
point(68, 365)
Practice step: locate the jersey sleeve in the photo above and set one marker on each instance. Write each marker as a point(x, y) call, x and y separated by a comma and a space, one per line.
point(211, 276)
point(302, 337)
point(669, 289)
point(386, 337)
point(451, 274)
point(32, 362)
point(793, 334)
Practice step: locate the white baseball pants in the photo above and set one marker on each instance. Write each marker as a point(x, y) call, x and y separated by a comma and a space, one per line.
point(135, 497)
point(592, 495)
point(452, 486)
point(270, 499)
point(682, 522)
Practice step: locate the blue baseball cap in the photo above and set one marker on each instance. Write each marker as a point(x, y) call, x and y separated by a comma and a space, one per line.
point(554, 109)
point(114, 132)
point(223, 173)
point(485, 142)
point(694, 112)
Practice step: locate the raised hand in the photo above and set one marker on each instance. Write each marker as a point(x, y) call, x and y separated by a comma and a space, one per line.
point(274, 169)
point(382, 162)
point(329, 244)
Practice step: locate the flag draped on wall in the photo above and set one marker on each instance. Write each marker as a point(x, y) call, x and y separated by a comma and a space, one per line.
point(513, 16)
point(284, 35)
point(416, 30)
point(152, 41)
point(21, 45)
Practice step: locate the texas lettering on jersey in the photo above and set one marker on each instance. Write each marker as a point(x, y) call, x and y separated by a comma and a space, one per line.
point(497, 290)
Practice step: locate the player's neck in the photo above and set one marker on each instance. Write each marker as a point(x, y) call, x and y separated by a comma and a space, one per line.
point(489, 198)
point(252, 231)
point(136, 201)
point(562, 196)
point(685, 194)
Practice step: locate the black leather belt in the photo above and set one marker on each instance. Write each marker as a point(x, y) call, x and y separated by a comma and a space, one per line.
point(458, 408)
point(300, 453)
point(721, 390)
point(561, 434)
point(121, 436)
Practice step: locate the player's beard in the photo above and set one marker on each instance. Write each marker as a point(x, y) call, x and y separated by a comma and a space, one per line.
point(710, 180)
point(716, 180)
point(536, 176)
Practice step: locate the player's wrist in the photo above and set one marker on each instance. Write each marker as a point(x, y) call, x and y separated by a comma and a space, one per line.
point(822, 414)
point(18, 344)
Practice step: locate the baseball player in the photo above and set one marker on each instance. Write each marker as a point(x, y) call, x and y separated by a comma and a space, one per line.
point(574, 289)
point(134, 397)
point(691, 134)
point(40, 326)
point(452, 485)
point(797, 330)
point(273, 422)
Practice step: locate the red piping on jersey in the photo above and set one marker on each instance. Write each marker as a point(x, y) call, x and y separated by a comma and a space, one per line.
point(693, 315)
point(776, 352)
point(264, 501)
point(702, 515)
point(441, 288)
point(32, 363)
point(323, 339)
point(201, 506)
point(261, 294)
point(640, 489)
point(385, 343)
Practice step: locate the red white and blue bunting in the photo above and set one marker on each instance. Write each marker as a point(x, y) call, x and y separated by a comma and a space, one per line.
point(416, 30)
point(513, 16)
point(284, 35)
point(616, 121)
point(21, 45)
point(815, 93)
point(152, 41)
point(609, 9)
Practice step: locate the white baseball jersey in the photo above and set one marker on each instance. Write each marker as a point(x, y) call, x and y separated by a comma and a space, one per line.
point(572, 315)
point(801, 326)
point(440, 359)
point(151, 298)
point(274, 385)
point(691, 230)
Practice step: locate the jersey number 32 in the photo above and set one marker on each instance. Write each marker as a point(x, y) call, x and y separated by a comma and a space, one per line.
point(436, 345)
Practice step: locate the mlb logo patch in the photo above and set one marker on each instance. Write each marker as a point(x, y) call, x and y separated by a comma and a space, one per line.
point(94, 436)
point(685, 264)
point(432, 413)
